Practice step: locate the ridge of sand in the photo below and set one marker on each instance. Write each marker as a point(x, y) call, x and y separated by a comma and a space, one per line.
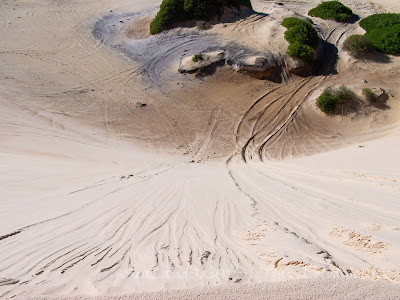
point(338, 288)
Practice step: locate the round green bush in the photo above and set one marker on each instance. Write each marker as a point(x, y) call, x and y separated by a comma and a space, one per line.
point(304, 52)
point(358, 46)
point(332, 10)
point(327, 101)
point(302, 34)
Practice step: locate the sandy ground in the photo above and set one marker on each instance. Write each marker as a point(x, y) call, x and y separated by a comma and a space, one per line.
point(119, 175)
point(333, 288)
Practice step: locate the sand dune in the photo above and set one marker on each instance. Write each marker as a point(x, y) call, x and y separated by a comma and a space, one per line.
point(119, 175)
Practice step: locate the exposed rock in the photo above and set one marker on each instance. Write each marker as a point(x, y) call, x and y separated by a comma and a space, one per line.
point(259, 66)
point(208, 60)
point(381, 95)
point(140, 104)
point(297, 67)
point(379, 92)
point(232, 14)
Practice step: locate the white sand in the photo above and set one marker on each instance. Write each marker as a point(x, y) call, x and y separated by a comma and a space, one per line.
point(103, 195)
point(337, 288)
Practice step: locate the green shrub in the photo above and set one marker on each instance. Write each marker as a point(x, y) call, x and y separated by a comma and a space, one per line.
point(383, 31)
point(292, 21)
point(380, 21)
point(345, 94)
point(200, 9)
point(333, 10)
point(170, 11)
point(302, 37)
point(176, 11)
point(197, 57)
point(303, 52)
point(358, 46)
point(370, 95)
point(329, 100)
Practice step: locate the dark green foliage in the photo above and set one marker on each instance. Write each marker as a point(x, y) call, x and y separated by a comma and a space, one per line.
point(170, 11)
point(359, 46)
point(327, 101)
point(238, 3)
point(303, 34)
point(302, 37)
point(176, 11)
point(304, 52)
point(380, 21)
point(344, 94)
point(383, 31)
point(291, 22)
point(333, 10)
point(197, 57)
point(200, 9)
point(330, 99)
point(370, 95)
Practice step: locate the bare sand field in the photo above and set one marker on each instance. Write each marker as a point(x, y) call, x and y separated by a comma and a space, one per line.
point(122, 178)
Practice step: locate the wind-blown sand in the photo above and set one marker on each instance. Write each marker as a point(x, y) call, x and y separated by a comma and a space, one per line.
point(119, 175)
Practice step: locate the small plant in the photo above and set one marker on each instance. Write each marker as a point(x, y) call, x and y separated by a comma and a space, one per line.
point(197, 57)
point(302, 37)
point(369, 95)
point(332, 10)
point(383, 31)
point(359, 46)
point(329, 101)
point(279, 3)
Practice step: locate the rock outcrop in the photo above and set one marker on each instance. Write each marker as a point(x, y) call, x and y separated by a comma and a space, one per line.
point(202, 62)
point(259, 66)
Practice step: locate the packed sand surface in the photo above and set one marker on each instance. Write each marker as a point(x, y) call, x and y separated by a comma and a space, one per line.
point(120, 175)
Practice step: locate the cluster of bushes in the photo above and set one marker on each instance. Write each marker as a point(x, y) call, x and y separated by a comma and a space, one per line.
point(382, 34)
point(177, 11)
point(332, 10)
point(302, 37)
point(330, 99)
point(383, 31)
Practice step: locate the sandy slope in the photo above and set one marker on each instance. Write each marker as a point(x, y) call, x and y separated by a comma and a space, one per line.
point(119, 175)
